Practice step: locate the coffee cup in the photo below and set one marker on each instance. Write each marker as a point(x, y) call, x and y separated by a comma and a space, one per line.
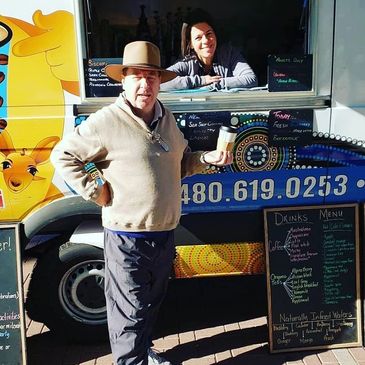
point(226, 138)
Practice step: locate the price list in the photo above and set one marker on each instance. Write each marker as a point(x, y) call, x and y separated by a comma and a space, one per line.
point(313, 277)
point(12, 332)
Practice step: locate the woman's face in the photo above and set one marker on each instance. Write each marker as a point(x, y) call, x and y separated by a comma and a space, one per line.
point(203, 41)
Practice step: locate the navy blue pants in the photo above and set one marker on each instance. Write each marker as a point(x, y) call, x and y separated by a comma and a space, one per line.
point(136, 277)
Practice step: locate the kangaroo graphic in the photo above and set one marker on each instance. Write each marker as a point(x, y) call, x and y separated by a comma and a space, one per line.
point(20, 170)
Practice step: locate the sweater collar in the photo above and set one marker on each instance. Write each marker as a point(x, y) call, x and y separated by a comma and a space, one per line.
point(124, 104)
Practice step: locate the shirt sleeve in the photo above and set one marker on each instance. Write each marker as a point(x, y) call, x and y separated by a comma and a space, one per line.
point(75, 150)
point(242, 74)
point(186, 79)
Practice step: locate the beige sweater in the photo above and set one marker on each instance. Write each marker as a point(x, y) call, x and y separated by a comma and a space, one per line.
point(144, 179)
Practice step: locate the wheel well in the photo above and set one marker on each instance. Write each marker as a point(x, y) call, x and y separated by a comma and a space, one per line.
point(56, 233)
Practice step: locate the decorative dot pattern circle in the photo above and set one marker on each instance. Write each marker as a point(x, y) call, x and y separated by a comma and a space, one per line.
point(219, 259)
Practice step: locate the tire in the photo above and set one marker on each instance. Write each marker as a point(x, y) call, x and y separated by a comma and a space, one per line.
point(66, 293)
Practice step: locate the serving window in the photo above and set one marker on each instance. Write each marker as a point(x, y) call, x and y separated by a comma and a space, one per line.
point(260, 29)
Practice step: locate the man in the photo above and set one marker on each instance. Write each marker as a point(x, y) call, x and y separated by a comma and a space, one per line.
point(142, 156)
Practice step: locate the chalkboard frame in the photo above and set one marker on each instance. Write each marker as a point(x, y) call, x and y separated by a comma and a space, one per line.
point(19, 282)
point(358, 305)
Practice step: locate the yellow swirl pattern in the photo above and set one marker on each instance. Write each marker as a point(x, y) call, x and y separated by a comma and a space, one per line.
point(219, 259)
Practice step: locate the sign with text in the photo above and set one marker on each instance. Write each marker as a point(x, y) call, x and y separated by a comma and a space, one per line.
point(12, 328)
point(312, 258)
point(97, 83)
point(290, 127)
point(290, 72)
point(202, 129)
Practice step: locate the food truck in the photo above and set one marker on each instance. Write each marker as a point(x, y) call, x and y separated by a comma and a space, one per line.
point(300, 141)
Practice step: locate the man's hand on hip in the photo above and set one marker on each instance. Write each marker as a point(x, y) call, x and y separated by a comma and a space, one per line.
point(104, 197)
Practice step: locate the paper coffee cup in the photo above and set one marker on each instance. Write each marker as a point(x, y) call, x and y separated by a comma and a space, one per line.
point(226, 138)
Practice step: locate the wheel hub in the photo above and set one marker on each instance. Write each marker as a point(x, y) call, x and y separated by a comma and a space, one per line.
point(81, 292)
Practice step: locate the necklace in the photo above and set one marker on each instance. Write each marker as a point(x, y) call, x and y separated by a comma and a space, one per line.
point(157, 137)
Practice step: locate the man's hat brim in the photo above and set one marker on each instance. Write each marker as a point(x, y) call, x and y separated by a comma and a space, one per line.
point(115, 72)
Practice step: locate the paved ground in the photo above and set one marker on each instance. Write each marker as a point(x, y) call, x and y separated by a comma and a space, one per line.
point(203, 321)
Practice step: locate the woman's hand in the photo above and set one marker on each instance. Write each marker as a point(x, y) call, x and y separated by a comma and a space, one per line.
point(207, 79)
point(218, 158)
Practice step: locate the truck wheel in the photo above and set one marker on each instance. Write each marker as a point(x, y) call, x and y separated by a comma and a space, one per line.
point(66, 293)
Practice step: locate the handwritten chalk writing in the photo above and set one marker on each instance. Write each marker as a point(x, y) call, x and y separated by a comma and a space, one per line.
point(280, 327)
point(12, 325)
point(279, 74)
point(290, 126)
point(9, 316)
point(5, 246)
point(288, 81)
point(96, 63)
point(280, 125)
point(337, 226)
point(276, 246)
point(9, 295)
point(298, 285)
point(297, 244)
point(298, 60)
point(283, 341)
point(277, 279)
point(290, 73)
point(312, 256)
point(290, 318)
point(281, 218)
point(306, 341)
point(276, 138)
point(327, 214)
point(4, 334)
point(204, 124)
point(281, 115)
point(280, 59)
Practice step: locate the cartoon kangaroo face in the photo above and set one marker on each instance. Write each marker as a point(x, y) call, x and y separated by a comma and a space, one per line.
point(19, 168)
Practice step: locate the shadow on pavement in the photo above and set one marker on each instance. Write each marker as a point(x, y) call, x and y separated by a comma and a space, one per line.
point(190, 305)
point(193, 304)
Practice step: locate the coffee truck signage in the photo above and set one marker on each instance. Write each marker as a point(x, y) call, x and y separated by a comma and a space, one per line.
point(300, 132)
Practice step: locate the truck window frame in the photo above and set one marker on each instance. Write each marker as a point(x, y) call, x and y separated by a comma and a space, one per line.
point(320, 31)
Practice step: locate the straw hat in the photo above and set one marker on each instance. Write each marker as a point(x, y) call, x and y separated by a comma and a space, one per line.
point(142, 55)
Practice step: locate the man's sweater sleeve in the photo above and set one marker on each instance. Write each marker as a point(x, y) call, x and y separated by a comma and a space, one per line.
point(70, 155)
point(190, 164)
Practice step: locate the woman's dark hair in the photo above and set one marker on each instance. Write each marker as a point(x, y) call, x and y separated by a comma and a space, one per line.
point(196, 16)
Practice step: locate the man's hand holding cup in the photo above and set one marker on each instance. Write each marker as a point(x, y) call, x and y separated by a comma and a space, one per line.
point(223, 154)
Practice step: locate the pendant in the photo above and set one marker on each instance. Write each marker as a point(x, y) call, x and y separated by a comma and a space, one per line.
point(161, 142)
point(164, 145)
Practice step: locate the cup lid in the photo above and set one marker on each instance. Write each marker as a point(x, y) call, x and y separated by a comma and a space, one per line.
point(229, 129)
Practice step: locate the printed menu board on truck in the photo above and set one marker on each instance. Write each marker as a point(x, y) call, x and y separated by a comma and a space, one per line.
point(312, 258)
point(12, 330)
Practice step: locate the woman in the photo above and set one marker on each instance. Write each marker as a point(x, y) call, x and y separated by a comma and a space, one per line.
point(205, 64)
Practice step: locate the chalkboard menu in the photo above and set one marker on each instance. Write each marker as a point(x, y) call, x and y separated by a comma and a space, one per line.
point(12, 331)
point(202, 129)
point(97, 83)
point(312, 258)
point(290, 72)
point(290, 127)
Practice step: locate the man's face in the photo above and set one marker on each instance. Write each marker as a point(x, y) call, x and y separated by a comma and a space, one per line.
point(141, 88)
